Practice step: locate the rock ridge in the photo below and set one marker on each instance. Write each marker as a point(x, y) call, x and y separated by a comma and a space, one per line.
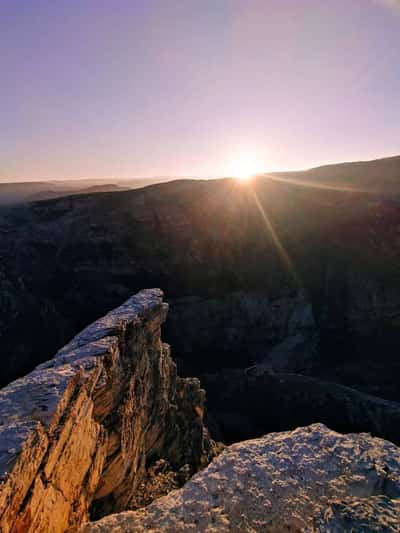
point(79, 431)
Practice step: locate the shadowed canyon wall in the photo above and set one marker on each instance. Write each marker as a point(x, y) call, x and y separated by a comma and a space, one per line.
point(234, 301)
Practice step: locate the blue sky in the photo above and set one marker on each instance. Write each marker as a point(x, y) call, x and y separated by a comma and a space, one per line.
point(94, 88)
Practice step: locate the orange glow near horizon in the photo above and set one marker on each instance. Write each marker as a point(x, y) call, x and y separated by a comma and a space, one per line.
point(244, 166)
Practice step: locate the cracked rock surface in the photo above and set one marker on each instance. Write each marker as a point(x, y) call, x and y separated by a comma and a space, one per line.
point(281, 482)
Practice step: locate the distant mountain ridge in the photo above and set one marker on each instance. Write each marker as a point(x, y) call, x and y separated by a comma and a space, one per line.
point(13, 193)
point(378, 175)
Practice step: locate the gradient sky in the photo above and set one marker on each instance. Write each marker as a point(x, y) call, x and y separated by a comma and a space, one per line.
point(125, 88)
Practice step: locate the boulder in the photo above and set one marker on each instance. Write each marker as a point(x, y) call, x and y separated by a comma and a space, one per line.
point(279, 482)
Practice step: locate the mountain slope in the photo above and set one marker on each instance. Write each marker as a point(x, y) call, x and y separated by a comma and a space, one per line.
point(259, 271)
point(379, 175)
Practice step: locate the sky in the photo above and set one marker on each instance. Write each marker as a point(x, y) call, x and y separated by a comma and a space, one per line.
point(135, 88)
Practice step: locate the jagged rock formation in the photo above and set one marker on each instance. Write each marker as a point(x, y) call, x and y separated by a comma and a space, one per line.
point(291, 481)
point(77, 433)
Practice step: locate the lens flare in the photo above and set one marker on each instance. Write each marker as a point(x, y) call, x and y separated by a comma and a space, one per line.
point(244, 166)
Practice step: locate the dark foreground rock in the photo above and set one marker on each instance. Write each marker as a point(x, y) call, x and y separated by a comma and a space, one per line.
point(281, 482)
point(78, 434)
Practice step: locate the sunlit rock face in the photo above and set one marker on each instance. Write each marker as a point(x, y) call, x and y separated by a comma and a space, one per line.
point(77, 433)
point(295, 481)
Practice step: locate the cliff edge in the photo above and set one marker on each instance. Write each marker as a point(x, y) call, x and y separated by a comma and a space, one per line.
point(79, 433)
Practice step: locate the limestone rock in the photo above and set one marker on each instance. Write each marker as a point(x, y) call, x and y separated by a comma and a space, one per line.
point(280, 482)
point(379, 514)
point(77, 433)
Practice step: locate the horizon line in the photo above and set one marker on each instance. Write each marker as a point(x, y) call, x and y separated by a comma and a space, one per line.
point(189, 176)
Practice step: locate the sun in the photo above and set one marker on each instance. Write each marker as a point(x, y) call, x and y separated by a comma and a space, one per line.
point(244, 166)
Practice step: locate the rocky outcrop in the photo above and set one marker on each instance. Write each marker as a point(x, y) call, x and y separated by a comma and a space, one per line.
point(280, 482)
point(78, 433)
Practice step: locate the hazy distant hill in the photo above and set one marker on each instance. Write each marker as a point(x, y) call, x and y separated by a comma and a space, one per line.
point(21, 192)
point(381, 175)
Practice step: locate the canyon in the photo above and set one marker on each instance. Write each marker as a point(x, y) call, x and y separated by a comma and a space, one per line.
point(284, 313)
point(292, 277)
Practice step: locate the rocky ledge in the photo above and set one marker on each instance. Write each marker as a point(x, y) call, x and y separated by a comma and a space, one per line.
point(308, 480)
point(79, 434)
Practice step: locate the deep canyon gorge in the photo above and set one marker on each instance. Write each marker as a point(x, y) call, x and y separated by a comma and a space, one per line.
point(284, 301)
